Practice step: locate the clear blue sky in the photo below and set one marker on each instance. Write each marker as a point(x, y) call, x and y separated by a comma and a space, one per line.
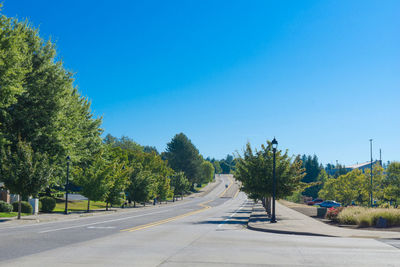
point(321, 76)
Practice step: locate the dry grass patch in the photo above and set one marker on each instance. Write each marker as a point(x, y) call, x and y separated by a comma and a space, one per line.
point(365, 217)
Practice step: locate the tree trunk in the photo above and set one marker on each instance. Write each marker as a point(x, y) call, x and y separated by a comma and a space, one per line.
point(19, 206)
point(182, 196)
point(134, 204)
point(106, 206)
point(88, 205)
point(268, 207)
point(173, 198)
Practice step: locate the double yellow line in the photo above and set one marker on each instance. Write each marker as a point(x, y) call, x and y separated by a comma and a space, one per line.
point(141, 227)
point(226, 189)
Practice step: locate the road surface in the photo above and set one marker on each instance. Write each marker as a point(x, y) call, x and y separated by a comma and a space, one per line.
point(204, 231)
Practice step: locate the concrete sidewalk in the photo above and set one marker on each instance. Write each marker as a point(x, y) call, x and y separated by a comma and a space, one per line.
point(292, 222)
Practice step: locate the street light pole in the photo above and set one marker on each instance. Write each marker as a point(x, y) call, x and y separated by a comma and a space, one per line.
point(274, 146)
point(66, 187)
point(370, 140)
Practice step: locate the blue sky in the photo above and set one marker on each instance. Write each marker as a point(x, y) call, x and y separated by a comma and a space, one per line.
point(320, 76)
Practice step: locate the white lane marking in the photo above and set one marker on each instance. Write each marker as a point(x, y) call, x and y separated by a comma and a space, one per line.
point(114, 220)
point(233, 214)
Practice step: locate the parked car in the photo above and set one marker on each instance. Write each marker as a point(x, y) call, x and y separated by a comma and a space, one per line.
point(329, 204)
point(315, 201)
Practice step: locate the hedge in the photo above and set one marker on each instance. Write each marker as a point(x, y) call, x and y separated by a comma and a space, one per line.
point(25, 207)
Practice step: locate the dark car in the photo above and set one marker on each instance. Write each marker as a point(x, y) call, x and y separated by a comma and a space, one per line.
point(329, 204)
point(315, 201)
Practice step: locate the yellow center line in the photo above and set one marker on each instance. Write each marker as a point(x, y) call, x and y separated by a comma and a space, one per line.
point(226, 189)
point(237, 192)
point(140, 227)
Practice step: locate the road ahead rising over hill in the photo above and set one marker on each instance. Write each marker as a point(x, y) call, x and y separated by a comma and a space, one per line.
point(204, 231)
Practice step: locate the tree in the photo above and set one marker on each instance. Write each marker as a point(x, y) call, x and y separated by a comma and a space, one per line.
point(116, 182)
point(228, 164)
point(313, 170)
point(179, 184)
point(217, 167)
point(182, 155)
point(14, 59)
point(254, 171)
point(138, 189)
point(92, 179)
point(349, 187)
point(24, 171)
point(152, 172)
point(392, 182)
point(207, 172)
point(150, 149)
point(46, 109)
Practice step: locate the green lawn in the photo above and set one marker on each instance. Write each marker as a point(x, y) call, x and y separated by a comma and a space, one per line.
point(79, 205)
point(11, 214)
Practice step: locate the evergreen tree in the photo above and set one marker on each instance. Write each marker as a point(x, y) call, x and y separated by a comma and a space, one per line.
point(182, 155)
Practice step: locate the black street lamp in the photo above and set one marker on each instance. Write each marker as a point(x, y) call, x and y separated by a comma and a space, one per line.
point(274, 147)
point(66, 187)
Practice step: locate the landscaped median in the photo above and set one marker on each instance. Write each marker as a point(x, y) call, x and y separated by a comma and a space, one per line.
point(290, 221)
point(365, 217)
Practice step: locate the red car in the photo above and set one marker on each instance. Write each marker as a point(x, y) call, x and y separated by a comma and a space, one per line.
point(315, 201)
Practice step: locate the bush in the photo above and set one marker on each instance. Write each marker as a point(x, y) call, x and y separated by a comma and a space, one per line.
point(5, 207)
point(48, 204)
point(25, 207)
point(332, 213)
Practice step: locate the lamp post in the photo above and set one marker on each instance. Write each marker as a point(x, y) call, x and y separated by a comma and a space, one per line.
point(66, 187)
point(370, 140)
point(274, 147)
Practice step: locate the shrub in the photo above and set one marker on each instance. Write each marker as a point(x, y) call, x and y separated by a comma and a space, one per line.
point(48, 204)
point(350, 215)
point(385, 205)
point(332, 213)
point(25, 207)
point(5, 207)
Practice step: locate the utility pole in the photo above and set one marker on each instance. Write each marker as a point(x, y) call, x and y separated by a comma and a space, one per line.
point(370, 140)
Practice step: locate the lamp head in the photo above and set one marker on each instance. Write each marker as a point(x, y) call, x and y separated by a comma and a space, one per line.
point(274, 144)
point(68, 158)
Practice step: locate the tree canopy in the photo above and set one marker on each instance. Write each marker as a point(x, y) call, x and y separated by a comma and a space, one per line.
point(254, 171)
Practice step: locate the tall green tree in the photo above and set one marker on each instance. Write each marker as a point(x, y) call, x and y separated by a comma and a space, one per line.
point(182, 155)
point(48, 112)
point(392, 182)
point(313, 169)
point(138, 189)
point(92, 179)
point(180, 184)
point(24, 171)
point(116, 182)
point(254, 171)
point(207, 172)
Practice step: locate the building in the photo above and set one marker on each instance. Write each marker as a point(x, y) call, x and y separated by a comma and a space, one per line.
point(4, 194)
point(363, 166)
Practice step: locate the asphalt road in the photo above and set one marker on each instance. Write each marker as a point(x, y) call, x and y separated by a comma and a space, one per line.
point(204, 231)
